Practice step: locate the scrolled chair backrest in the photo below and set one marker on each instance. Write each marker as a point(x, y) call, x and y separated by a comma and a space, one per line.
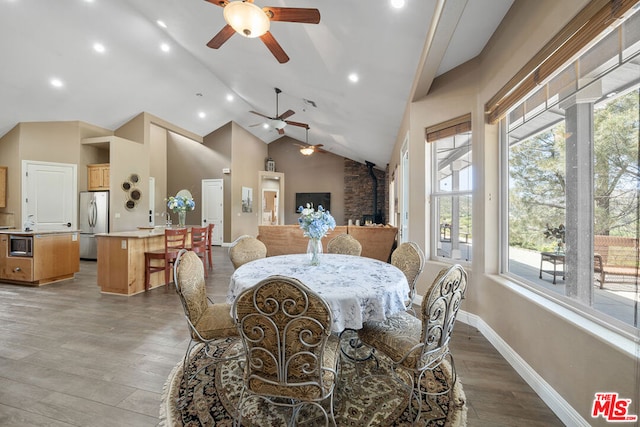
point(284, 327)
point(344, 244)
point(409, 258)
point(245, 249)
point(190, 284)
point(439, 310)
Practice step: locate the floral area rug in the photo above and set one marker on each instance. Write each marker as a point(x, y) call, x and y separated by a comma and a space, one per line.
point(366, 395)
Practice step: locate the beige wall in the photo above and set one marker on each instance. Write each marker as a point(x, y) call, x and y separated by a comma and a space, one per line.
point(318, 173)
point(219, 142)
point(248, 154)
point(158, 170)
point(57, 142)
point(127, 158)
point(569, 355)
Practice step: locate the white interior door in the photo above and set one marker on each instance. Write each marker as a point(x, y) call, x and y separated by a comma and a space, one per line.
point(213, 208)
point(49, 195)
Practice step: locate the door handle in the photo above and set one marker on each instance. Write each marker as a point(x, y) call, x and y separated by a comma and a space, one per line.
point(68, 224)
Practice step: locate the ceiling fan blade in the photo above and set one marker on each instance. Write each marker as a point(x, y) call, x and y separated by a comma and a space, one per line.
point(302, 125)
point(218, 40)
point(221, 3)
point(286, 114)
point(281, 131)
point(275, 48)
point(293, 14)
point(261, 115)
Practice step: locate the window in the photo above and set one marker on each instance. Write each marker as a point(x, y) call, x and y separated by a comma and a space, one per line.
point(573, 180)
point(452, 186)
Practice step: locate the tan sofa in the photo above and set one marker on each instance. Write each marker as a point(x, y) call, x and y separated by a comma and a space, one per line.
point(377, 242)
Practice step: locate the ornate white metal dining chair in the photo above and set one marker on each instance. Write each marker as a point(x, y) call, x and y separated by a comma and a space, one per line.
point(344, 244)
point(291, 355)
point(409, 258)
point(207, 321)
point(422, 345)
point(245, 249)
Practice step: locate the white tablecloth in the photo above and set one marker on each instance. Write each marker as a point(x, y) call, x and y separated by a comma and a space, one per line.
point(357, 289)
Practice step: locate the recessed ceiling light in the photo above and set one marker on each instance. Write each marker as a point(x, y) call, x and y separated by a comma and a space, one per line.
point(56, 82)
point(98, 47)
point(266, 126)
point(354, 77)
point(229, 97)
point(202, 114)
point(165, 47)
point(161, 24)
point(398, 4)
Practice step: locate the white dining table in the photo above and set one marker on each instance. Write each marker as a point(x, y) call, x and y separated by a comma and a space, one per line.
point(357, 289)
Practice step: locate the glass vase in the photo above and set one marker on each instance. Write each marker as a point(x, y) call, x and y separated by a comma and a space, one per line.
point(182, 217)
point(314, 249)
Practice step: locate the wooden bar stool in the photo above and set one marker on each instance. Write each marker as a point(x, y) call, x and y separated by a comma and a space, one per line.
point(199, 244)
point(174, 240)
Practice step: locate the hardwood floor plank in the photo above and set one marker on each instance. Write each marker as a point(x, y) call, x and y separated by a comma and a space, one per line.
point(70, 355)
point(13, 417)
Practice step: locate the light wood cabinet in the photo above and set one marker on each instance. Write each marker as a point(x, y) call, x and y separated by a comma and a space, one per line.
point(55, 257)
point(98, 177)
point(3, 186)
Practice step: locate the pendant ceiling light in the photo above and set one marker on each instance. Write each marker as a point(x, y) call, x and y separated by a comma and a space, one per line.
point(308, 150)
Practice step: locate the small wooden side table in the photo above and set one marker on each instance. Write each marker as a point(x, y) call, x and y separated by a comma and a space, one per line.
point(557, 260)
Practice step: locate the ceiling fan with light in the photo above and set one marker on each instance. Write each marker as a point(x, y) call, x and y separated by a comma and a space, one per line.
point(247, 19)
point(279, 120)
point(307, 149)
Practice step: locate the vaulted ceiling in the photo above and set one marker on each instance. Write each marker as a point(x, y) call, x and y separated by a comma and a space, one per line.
point(396, 54)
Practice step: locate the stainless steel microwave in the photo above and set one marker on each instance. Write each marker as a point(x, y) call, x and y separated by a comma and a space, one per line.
point(20, 245)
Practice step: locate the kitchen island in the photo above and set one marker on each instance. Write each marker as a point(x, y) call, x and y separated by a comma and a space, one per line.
point(121, 260)
point(38, 257)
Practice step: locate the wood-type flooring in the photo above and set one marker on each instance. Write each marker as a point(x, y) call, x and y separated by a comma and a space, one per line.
point(71, 356)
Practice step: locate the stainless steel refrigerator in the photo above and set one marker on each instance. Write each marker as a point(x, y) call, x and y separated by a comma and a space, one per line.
point(94, 219)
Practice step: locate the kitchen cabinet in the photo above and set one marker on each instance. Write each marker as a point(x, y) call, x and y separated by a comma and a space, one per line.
point(55, 256)
point(3, 186)
point(98, 177)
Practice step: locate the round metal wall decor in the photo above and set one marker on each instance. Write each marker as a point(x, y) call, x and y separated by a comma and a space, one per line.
point(126, 186)
point(129, 204)
point(135, 194)
point(134, 178)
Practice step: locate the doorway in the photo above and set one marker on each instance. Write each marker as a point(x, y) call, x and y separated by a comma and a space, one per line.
point(270, 207)
point(49, 195)
point(213, 208)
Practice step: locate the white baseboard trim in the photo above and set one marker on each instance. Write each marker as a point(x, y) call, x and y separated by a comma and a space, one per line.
point(567, 414)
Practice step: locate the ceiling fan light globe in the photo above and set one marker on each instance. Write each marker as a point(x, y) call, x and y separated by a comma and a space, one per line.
point(307, 151)
point(278, 124)
point(246, 19)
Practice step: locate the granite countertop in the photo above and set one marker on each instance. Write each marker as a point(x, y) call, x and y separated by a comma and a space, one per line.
point(17, 232)
point(142, 233)
point(136, 234)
